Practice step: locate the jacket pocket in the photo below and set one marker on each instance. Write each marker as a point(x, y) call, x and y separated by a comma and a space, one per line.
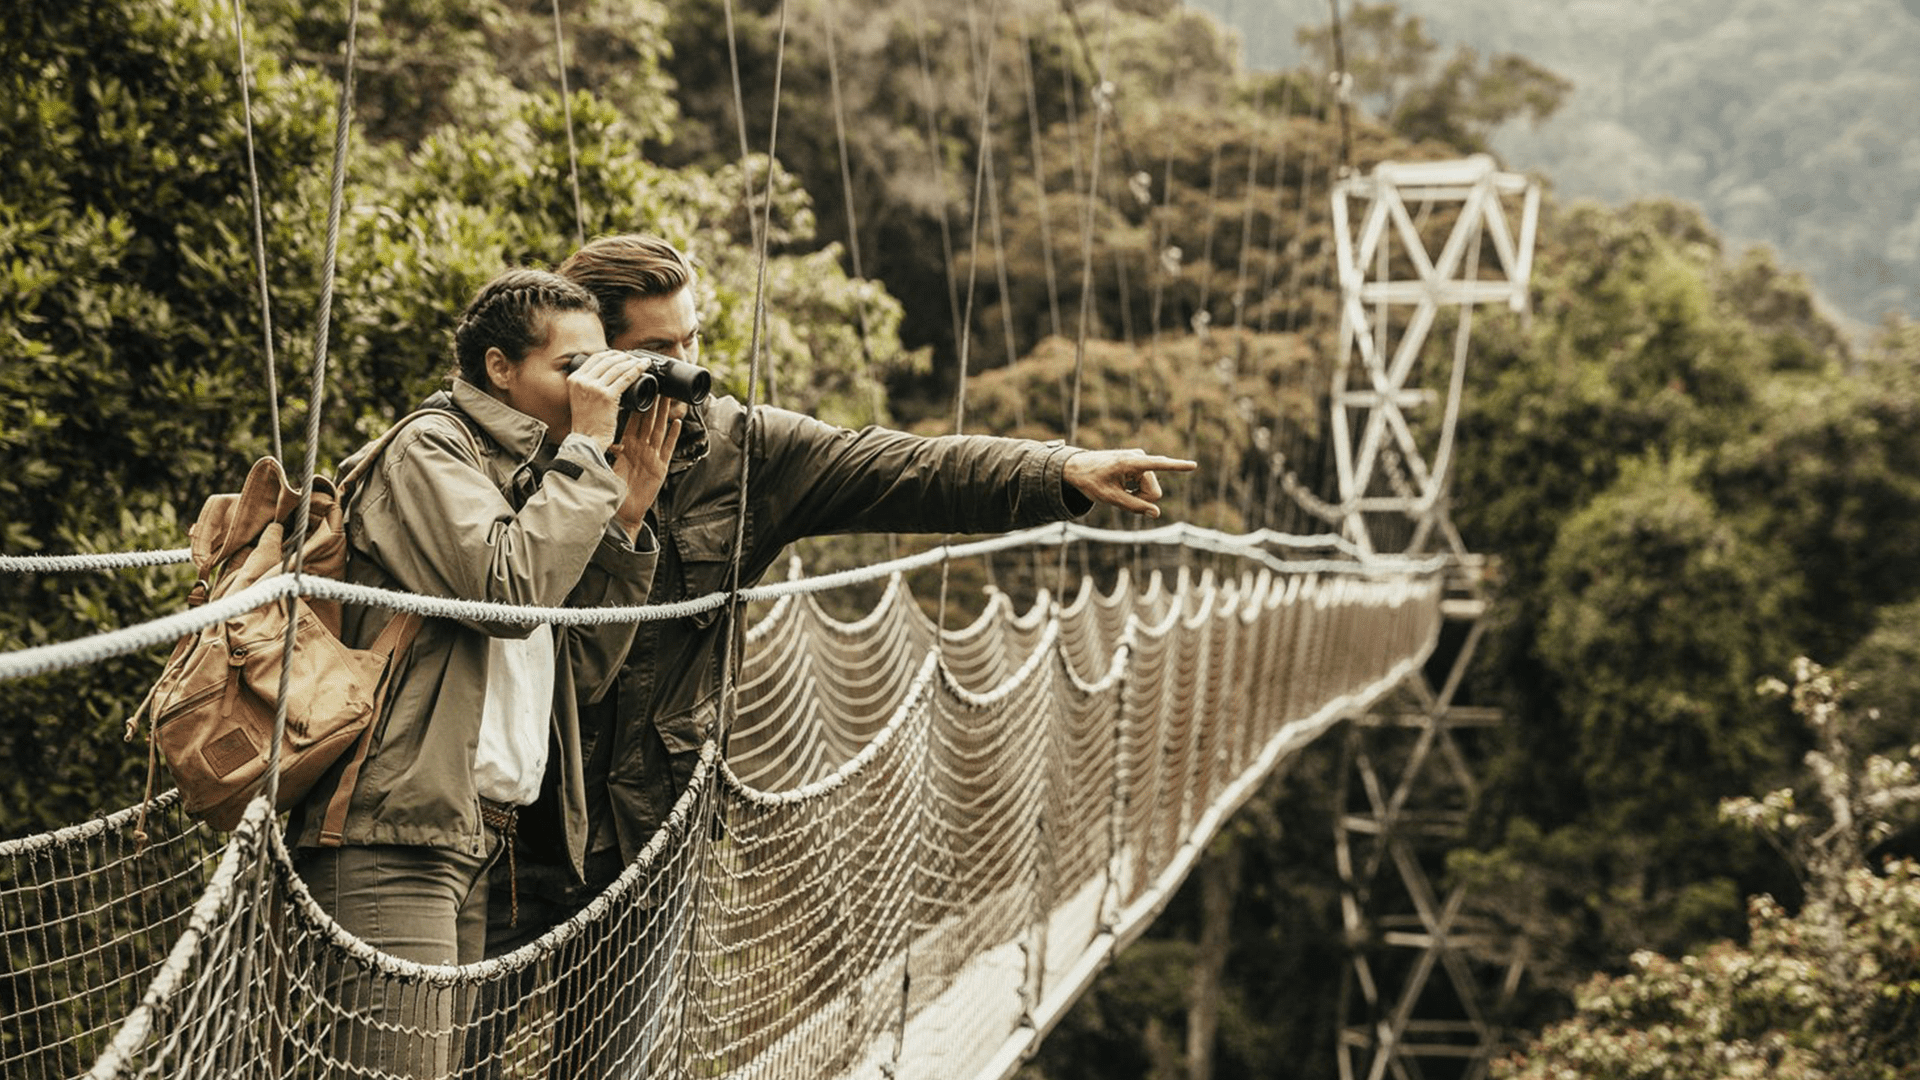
point(705, 546)
point(653, 771)
point(684, 732)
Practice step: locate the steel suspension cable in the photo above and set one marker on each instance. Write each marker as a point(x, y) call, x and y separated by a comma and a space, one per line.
point(983, 83)
point(566, 108)
point(846, 177)
point(1029, 83)
point(317, 388)
point(259, 236)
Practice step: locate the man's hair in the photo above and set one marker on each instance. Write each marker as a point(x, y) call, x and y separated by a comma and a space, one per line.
point(513, 314)
point(616, 269)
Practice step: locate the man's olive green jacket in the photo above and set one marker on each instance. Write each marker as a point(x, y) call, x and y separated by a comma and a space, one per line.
point(806, 478)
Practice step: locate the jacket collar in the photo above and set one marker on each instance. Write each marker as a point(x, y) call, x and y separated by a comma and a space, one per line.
point(693, 444)
point(520, 435)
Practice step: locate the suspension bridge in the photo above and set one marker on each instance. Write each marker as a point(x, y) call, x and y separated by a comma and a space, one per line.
point(920, 843)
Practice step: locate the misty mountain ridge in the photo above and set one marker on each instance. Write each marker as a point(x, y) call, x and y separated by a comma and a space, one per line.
point(1790, 124)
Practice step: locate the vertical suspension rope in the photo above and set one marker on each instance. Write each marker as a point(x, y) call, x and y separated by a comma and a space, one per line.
point(995, 219)
point(1240, 292)
point(1342, 90)
point(983, 81)
point(740, 115)
point(1246, 220)
point(953, 312)
point(1164, 262)
point(734, 642)
point(1039, 175)
point(1000, 266)
point(250, 913)
point(1203, 315)
point(259, 237)
point(930, 95)
point(1280, 195)
point(984, 86)
point(316, 391)
point(831, 20)
point(566, 108)
point(1102, 106)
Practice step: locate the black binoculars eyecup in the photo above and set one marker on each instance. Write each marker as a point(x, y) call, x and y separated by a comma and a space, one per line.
point(678, 379)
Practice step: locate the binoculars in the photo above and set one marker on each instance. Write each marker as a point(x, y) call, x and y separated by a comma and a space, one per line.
point(676, 379)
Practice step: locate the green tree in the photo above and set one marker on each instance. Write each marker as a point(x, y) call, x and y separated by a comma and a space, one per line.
point(1689, 479)
point(132, 338)
point(1832, 990)
point(1389, 57)
point(423, 65)
point(889, 115)
point(134, 384)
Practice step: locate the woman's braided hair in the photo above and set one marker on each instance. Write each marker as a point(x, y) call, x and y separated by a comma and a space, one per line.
point(511, 313)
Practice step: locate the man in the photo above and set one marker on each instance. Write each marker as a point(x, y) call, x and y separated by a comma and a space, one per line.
point(805, 478)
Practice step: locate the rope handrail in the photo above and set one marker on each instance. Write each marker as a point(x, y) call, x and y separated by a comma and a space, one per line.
point(108, 560)
point(128, 560)
point(40, 659)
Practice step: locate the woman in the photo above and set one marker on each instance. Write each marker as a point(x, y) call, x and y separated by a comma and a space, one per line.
point(519, 494)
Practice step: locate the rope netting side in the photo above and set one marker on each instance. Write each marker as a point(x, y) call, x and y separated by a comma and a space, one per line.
point(1008, 840)
point(85, 920)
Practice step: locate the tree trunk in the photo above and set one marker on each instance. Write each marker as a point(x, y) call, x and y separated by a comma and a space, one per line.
point(1219, 872)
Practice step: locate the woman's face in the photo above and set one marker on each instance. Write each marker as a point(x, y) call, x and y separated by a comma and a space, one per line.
point(537, 385)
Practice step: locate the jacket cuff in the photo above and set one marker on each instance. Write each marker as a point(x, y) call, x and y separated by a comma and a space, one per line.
point(630, 563)
point(577, 449)
point(1065, 500)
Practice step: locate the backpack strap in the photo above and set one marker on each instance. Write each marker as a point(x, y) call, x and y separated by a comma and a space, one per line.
point(394, 641)
point(379, 446)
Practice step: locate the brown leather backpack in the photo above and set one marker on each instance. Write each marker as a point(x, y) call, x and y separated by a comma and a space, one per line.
point(212, 710)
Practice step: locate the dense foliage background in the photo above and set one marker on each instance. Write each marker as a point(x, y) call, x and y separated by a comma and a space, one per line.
point(1689, 474)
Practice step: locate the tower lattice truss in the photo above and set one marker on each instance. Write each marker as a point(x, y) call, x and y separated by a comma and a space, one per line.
point(1419, 247)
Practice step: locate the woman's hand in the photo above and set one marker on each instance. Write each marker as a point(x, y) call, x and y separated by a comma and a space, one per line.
point(1122, 478)
point(593, 394)
point(642, 457)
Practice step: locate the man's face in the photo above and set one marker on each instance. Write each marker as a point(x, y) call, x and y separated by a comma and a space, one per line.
point(668, 325)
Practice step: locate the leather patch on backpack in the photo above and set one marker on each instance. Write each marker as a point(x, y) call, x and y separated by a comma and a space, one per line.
point(228, 752)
